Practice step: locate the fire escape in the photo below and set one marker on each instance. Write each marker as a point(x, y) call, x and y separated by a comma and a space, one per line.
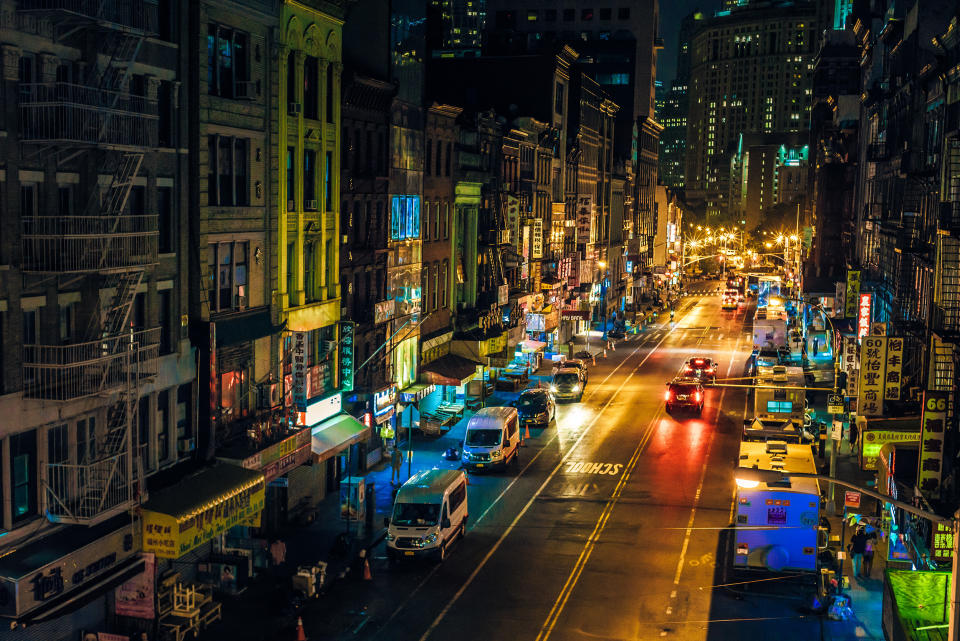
point(106, 248)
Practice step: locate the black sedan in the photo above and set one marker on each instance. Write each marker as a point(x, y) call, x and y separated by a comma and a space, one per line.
point(536, 406)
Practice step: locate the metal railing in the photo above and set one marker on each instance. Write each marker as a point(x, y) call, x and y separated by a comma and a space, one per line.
point(68, 372)
point(79, 244)
point(79, 493)
point(65, 112)
point(134, 14)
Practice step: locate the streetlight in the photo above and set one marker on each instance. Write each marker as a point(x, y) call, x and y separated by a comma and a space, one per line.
point(750, 477)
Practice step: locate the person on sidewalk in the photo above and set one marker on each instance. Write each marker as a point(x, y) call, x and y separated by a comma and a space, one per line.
point(857, 547)
point(868, 559)
point(396, 464)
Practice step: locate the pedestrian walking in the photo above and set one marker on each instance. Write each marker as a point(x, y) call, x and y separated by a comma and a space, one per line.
point(857, 547)
point(868, 559)
point(396, 463)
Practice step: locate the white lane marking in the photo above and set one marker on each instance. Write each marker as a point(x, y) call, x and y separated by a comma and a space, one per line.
point(533, 498)
point(703, 474)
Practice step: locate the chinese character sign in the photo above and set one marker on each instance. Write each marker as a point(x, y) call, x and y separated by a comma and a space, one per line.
point(537, 241)
point(891, 379)
point(932, 424)
point(851, 364)
point(852, 294)
point(298, 356)
point(941, 543)
point(346, 360)
point(839, 299)
point(872, 363)
point(863, 315)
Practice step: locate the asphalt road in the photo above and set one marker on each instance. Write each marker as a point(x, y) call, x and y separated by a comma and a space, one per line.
point(614, 526)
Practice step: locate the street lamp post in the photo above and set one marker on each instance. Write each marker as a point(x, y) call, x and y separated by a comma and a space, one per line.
point(831, 505)
point(749, 477)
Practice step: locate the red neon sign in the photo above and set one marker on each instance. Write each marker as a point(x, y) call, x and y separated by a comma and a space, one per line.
point(863, 315)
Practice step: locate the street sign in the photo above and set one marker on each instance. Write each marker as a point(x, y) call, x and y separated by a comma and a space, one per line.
point(851, 499)
point(835, 404)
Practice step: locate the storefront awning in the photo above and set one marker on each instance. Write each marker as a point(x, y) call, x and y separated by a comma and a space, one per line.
point(575, 314)
point(336, 434)
point(104, 551)
point(184, 516)
point(450, 370)
point(531, 346)
point(244, 327)
point(415, 392)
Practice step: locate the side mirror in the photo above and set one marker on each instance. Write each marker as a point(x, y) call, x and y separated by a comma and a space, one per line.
point(445, 523)
point(386, 521)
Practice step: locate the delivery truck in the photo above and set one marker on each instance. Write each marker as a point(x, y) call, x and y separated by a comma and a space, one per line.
point(779, 394)
point(776, 527)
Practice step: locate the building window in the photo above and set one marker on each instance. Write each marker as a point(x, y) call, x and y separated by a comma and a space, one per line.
point(436, 224)
point(605, 14)
point(446, 221)
point(68, 323)
point(558, 99)
point(184, 403)
point(531, 15)
point(291, 276)
point(328, 182)
point(234, 395)
point(428, 165)
point(550, 15)
point(228, 158)
point(31, 326)
point(291, 180)
point(65, 200)
point(58, 450)
point(404, 217)
point(228, 276)
point(23, 475)
point(166, 321)
point(228, 61)
point(165, 220)
point(28, 199)
point(163, 425)
point(436, 286)
point(586, 14)
point(439, 166)
point(86, 439)
point(569, 15)
point(443, 284)
point(449, 155)
point(311, 88)
point(311, 289)
point(329, 96)
point(623, 13)
point(310, 179)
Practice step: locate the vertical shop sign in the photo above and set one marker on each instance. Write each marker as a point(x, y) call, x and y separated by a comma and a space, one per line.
point(873, 362)
point(346, 359)
point(584, 219)
point(537, 240)
point(942, 542)
point(299, 363)
point(863, 315)
point(839, 302)
point(932, 425)
point(513, 219)
point(851, 364)
point(852, 297)
point(891, 379)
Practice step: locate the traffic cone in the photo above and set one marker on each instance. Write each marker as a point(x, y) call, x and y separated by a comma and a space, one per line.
point(301, 635)
point(367, 576)
point(526, 432)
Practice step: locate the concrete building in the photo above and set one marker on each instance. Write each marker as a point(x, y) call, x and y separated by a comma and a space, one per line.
point(751, 72)
point(97, 382)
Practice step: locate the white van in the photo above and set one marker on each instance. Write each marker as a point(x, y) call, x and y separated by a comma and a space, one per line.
point(430, 511)
point(492, 438)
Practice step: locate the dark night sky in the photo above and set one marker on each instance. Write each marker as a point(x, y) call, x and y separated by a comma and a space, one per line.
point(671, 13)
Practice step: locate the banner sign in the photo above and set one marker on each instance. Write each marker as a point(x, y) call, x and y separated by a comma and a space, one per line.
point(513, 219)
point(347, 331)
point(537, 240)
point(852, 297)
point(135, 597)
point(931, 441)
point(870, 401)
point(941, 543)
point(584, 219)
point(863, 315)
point(299, 361)
point(839, 301)
point(891, 380)
point(851, 364)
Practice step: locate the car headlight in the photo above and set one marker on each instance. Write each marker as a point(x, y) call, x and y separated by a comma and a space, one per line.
point(428, 539)
point(553, 388)
point(495, 454)
point(390, 537)
point(465, 455)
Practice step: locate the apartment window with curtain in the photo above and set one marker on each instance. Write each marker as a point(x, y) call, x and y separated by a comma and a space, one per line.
point(228, 62)
point(311, 89)
point(228, 159)
point(310, 179)
point(228, 276)
point(291, 179)
point(328, 182)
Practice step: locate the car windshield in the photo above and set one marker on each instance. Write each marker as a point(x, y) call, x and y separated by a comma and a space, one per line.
point(683, 389)
point(416, 513)
point(768, 353)
point(531, 402)
point(569, 364)
point(566, 378)
point(483, 438)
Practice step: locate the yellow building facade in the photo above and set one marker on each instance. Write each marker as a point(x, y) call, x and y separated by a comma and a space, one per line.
point(306, 126)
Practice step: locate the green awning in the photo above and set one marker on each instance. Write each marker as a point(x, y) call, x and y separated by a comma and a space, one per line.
point(336, 434)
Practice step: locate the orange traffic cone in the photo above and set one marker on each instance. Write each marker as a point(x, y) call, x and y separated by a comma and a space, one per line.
point(301, 635)
point(367, 576)
point(526, 432)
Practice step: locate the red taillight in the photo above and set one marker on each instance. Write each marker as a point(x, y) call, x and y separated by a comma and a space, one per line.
point(668, 395)
point(688, 369)
point(698, 396)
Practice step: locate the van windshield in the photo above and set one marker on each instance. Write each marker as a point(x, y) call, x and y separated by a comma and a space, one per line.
point(416, 513)
point(483, 438)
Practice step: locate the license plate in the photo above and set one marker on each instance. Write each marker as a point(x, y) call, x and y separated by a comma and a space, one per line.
point(408, 553)
point(479, 464)
point(681, 397)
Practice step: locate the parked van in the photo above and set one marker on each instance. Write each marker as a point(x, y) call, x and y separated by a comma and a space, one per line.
point(492, 438)
point(429, 513)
